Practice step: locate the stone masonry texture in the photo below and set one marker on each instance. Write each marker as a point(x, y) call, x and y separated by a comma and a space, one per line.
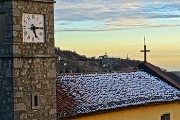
point(27, 68)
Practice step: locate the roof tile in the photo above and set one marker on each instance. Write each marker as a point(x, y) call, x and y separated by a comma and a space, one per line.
point(79, 94)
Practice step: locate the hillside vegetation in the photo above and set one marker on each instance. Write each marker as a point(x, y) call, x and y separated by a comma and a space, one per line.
point(71, 62)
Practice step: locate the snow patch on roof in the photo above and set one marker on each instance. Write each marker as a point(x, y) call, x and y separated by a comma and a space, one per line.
point(96, 92)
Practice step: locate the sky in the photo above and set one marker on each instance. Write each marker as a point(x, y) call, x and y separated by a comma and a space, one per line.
point(117, 27)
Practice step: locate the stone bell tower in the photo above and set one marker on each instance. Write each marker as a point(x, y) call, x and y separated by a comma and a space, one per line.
point(27, 60)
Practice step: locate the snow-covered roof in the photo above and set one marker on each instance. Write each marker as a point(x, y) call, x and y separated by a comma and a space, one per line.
point(156, 71)
point(79, 94)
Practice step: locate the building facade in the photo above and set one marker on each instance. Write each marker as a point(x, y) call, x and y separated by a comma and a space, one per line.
point(152, 112)
point(167, 111)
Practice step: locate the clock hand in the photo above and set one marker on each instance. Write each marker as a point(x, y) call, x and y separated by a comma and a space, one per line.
point(38, 27)
point(35, 33)
point(34, 30)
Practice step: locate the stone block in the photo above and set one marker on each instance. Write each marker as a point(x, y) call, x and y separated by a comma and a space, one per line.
point(20, 107)
point(51, 73)
point(16, 48)
point(8, 72)
point(10, 34)
point(23, 72)
point(24, 116)
point(52, 111)
point(16, 13)
point(18, 94)
point(18, 63)
point(16, 73)
point(16, 27)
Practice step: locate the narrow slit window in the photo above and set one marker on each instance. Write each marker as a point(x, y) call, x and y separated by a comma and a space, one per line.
point(165, 116)
point(35, 100)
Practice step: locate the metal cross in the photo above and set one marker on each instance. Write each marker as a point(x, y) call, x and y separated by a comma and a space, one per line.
point(145, 51)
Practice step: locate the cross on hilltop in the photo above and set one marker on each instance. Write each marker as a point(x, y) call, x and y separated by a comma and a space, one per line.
point(145, 51)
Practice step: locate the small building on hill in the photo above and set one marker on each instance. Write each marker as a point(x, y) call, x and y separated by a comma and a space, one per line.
point(117, 96)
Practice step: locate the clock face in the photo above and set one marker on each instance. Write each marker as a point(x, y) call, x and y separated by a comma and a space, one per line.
point(33, 28)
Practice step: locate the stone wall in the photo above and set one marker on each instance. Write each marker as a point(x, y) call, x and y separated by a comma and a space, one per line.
point(6, 89)
point(34, 76)
point(27, 69)
point(6, 63)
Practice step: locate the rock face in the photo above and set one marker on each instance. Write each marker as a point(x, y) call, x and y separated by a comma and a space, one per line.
point(27, 70)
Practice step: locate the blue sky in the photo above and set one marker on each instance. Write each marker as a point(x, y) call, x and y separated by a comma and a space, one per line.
point(93, 27)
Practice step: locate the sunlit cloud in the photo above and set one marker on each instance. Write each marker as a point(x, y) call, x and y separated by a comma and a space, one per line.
point(115, 14)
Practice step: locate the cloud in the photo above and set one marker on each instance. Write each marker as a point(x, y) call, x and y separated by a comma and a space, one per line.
point(113, 27)
point(115, 14)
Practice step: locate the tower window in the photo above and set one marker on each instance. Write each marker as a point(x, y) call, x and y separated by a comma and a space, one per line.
point(165, 116)
point(35, 101)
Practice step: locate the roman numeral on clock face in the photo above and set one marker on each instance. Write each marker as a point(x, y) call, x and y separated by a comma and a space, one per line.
point(25, 22)
point(32, 38)
point(25, 33)
point(28, 17)
point(40, 33)
point(33, 16)
point(28, 37)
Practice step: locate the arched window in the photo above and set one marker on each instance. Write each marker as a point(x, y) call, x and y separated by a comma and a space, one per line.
point(165, 116)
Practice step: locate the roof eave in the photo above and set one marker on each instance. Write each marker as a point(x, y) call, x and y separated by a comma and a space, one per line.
point(116, 109)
